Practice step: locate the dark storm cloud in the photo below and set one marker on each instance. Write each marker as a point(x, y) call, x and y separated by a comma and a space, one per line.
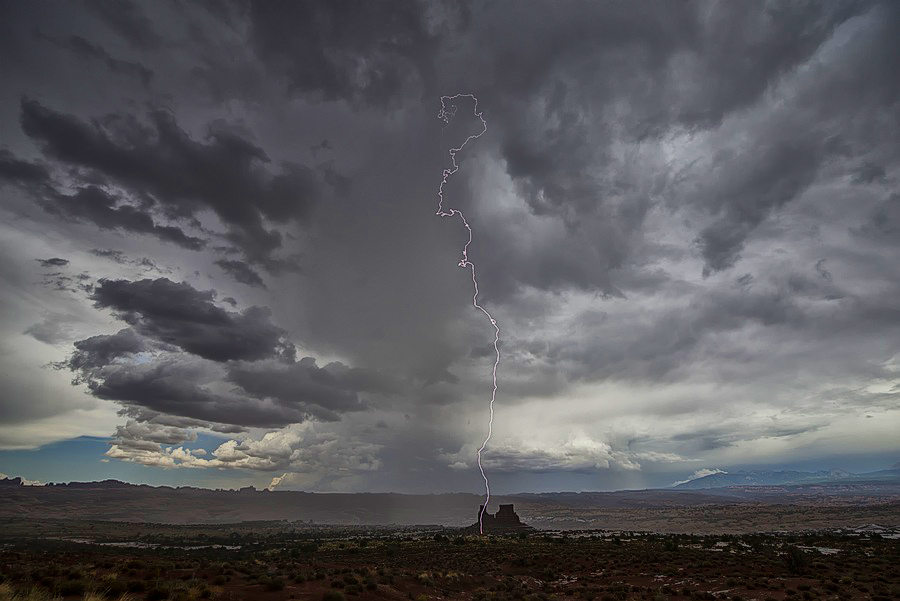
point(723, 437)
point(241, 272)
point(117, 256)
point(185, 391)
point(89, 204)
point(53, 262)
point(334, 388)
point(161, 165)
point(822, 271)
point(172, 388)
point(323, 403)
point(93, 205)
point(134, 432)
point(166, 317)
point(869, 173)
point(97, 351)
point(21, 172)
point(87, 50)
point(344, 50)
point(815, 127)
point(807, 309)
point(142, 414)
point(58, 280)
point(883, 221)
point(128, 20)
point(553, 69)
point(178, 386)
point(180, 315)
point(764, 179)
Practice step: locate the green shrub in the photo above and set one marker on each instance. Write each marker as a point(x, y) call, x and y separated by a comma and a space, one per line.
point(334, 596)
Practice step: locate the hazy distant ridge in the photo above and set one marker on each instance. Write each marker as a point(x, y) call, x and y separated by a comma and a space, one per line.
point(672, 509)
point(787, 478)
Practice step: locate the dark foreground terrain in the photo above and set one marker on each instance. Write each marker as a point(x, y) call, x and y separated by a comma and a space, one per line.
point(276, 561)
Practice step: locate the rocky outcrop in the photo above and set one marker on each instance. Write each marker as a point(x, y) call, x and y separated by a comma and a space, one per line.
point(505, 521)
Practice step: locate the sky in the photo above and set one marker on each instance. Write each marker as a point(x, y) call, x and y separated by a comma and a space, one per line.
point(221, 263)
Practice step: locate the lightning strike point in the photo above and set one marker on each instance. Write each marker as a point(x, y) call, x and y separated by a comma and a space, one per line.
point(446, 114)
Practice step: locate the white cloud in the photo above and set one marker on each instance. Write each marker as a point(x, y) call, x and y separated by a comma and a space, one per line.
point(700, 474)
point(24, 481)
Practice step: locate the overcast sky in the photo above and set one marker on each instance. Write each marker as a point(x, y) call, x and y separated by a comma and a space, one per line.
point(220, 256)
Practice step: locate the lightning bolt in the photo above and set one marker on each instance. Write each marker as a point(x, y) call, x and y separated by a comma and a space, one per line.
point(447, 112)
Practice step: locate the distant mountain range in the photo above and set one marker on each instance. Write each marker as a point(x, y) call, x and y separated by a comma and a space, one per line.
point(787, 478)
point(688, 507)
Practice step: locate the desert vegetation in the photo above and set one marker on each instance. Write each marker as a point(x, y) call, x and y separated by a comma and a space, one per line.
point(281, 561)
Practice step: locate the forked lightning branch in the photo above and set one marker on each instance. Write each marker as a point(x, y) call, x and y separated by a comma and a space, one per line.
point(447, 112)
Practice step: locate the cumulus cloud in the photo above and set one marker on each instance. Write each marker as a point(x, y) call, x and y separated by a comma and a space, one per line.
point(576, 454)
point(24, 482)
point(312, 456)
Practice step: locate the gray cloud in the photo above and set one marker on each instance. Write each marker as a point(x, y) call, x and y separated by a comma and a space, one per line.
point(92, 204)
point(128, 20)
point(185, 391)
point(370, 52)
point(241, 272)
point(776, 175)
point(89, 204)
point(180, 386)
point(161, 165)
point(53, 262)
point(182, 316)
point(98, 351)
point(683, 218)
point(134, 431)
point(141, 366)
point(53, 329)
point(333, 389)
point(88, 51)
point(117, 256)
point(15, 170)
